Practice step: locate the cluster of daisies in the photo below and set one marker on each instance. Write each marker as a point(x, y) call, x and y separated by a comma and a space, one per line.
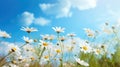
point(57, 50)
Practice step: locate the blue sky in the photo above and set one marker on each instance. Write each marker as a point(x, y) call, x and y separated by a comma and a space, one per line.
point(74, 15)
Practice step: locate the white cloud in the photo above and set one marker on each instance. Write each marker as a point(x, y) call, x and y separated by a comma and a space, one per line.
point(28, 18)
point(84, 4)
point(63, 7)
point(41, 21)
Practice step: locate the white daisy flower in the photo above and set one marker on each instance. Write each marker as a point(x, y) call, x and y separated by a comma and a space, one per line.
point(71, 34)
point(45, 37)
point(89, 32)
point(58, 29)
point(27, 40)
point(14, 48)
point(43, 43)
point(97, 51)
point(4, 34)
point(28, 48)
point(51, 37)
point(85, 47)
point(81, 62)
point(29, 30)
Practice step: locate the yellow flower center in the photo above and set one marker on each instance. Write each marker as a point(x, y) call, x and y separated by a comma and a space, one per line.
point(14, 62)
point(85, 48)
point(32, 58)
point(13, 49)
point(98, 51)
point(58, 50)
point(45, 44)
point(46, 57)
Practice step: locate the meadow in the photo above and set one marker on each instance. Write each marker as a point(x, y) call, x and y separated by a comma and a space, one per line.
point(101, 48)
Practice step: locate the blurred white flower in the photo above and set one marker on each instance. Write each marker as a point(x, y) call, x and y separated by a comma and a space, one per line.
point(44, 37)
point(4, 34)
point(58, 29)
point(81, 62)
point(71, 34)
point(14, 48)
point(27, 40)
point(28, 29)
point(51, 37)
point(62, 38)
point(10, 65)
point(107, 30)
point(43, 43)
point(28, 47)
point(97, 51)
point(89, 32)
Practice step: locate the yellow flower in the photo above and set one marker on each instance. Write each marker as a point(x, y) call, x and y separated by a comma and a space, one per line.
point(13, 49)
point(85, 48)
point(32, 58)
point(58, 50)
point(98, 51)
point(14, 62)
point(45, 44)
point(46, 57)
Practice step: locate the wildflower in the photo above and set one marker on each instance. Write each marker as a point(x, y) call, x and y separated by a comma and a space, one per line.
point(46, 57)
point(58, 29)
point(20, 58)
point(28, 47)
point(45, 37)
point(71, 34)
point(14, 62)
point(62, 38)
point(44, 44)
point(51, 37)
point(27, 40)
point(29, 30)
point(89, 32)
point(32, 58)
point(58, 51)
point(97, 51)
point(81, 62)
point(10, 65)
point(73, 42)
point(14, 48)
point(70, 48)
point(85, 48)
point(4, 34)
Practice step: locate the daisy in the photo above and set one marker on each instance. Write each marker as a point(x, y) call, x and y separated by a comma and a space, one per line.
point(81, 62)
point(4, 34)
point(29, 30)
point(58, 51)
point(45, 37)
point(89, 32)
point(46, 57)
point(97, 51)
point(43, 43)
point(28, 48)
point(14, 48)
point(62, 38)
point(51, 37)
point(71, 34)
point(27, 40)
point(58, 29)
point(85, 47)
